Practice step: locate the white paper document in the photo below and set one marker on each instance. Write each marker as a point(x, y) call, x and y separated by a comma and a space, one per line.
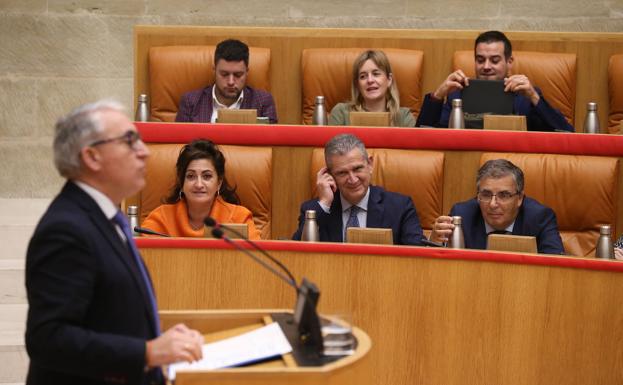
point(256, 345)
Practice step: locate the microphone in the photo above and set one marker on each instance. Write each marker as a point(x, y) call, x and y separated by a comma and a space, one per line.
point(305, 314)
point(144, 230)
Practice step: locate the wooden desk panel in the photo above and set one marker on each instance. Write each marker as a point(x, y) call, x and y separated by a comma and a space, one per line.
point(434, 316)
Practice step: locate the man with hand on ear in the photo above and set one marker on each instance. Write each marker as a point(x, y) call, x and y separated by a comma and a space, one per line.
point(346, 198)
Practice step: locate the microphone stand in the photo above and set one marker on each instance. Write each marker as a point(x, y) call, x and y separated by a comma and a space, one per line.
point(309, 334)
point(218, 233)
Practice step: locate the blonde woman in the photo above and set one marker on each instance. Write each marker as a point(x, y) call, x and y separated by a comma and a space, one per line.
point(373, 89)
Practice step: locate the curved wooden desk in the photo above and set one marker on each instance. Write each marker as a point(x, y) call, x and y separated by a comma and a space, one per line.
point(220, 324)
point(436, 316)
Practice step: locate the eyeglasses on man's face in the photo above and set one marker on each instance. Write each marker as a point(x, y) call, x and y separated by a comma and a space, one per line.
point(502, 196)
point(130, 137)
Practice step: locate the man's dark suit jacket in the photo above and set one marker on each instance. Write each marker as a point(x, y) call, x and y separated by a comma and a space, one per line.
point(541, 117)
point(386, 209)
point(89, 313)
point(196, 106)
point(533, 219)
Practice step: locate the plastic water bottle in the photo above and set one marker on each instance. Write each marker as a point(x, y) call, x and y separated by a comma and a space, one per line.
point(310, 227)
point(320, 112)
point(591, 121)
point(456, 115)
point(457, 241)
point(133, 219)
point(604, 248)
point(142, 109)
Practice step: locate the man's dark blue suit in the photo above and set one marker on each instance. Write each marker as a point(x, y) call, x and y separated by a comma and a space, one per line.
point(533, 219)
point(89, 316)
point(385, 210)
point(541, 117)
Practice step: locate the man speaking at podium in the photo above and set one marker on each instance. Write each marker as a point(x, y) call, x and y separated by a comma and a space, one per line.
point(346, 198)
point(92, 316)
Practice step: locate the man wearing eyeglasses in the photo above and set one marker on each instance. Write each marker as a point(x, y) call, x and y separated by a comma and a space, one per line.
point(500, 207)
point(92, 316)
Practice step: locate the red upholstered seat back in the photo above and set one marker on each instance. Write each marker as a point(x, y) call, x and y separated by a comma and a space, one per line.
point(615, 92)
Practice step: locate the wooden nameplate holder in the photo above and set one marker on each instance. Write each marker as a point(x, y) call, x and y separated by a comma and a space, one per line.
point(369, 235)
point(505, 122)
point(237, 116)
point(241, 228)
point(517, 243)
point(369, 119)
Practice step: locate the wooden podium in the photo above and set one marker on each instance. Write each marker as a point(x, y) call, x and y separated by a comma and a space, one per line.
point(220, 324)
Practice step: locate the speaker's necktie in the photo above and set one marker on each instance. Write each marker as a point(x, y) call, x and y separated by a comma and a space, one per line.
point(121, 220)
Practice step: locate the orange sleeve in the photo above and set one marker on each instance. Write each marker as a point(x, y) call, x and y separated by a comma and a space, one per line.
point(155, 221)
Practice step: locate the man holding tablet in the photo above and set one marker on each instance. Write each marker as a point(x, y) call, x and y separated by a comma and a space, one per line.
point(493, 60)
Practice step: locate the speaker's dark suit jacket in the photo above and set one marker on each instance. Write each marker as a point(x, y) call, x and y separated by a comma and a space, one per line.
point(386, 209)
point(89, 312)
point(533, 219)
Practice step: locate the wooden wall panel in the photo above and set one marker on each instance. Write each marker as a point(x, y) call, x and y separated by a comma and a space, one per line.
point(459, 177)
point(291, 188)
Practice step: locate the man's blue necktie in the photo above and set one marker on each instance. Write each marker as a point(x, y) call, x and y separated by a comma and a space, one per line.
point(121, 220)
point(353, 221)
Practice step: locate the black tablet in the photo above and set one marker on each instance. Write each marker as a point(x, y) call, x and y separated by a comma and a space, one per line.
point(485, 97)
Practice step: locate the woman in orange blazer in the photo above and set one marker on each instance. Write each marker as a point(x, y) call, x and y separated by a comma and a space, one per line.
point(200, 190)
